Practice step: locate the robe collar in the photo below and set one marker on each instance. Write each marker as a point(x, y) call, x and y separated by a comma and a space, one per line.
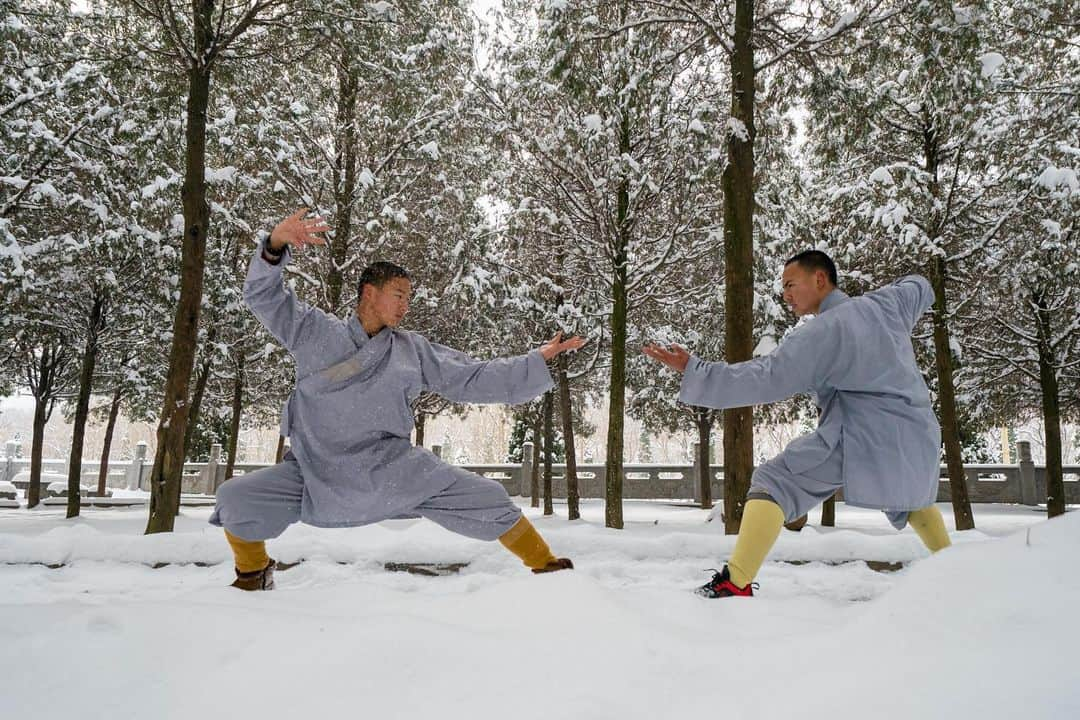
point(359, 334)
point(356, 331)
point(834, 298)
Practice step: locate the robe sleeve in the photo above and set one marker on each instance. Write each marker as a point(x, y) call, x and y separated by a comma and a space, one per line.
point(913, 296)
point(460, 378)
point(790, 369)
point(276, 306)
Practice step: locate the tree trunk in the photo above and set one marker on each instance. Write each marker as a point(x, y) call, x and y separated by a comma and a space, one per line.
point(738, 186)
point(82, 405)
point(828, 512)
point(613, 471)
point(947, 397)
point(279, 454)
point(201, 378)
point(237, 410)
point(344, 179)
point(1051, 407)
point(41, 416)
point(169, 455)
point(419, 422)
point(534, 481)
point(572, 494)
point(44, 386)
point(106, 447)
point(703, 419)
point(549, 443)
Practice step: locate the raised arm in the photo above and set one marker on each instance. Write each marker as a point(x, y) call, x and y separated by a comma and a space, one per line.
point(912, 294)
point(276, 306)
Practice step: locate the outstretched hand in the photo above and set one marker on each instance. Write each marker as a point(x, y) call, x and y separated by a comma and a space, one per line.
point(297, 231)
point(557, 345)
point(675, 357)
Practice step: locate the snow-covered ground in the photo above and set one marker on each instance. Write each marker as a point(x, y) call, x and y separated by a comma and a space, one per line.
point(986, 629)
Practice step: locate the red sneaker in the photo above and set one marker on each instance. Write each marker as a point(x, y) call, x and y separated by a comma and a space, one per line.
point(721, 586)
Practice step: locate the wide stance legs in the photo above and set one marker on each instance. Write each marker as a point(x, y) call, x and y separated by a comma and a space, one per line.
point(260, 506)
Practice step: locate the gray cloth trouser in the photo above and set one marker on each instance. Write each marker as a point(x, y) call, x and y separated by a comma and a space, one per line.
point(798, 493)
point(260, 505)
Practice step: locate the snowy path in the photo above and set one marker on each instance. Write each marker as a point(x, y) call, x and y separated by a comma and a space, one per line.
point(621, 637)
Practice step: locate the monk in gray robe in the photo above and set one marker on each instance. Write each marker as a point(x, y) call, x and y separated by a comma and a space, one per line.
point(877, 437)
point(349, 419)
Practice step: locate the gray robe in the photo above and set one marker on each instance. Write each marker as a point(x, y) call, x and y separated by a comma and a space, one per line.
point(349, 418)
point(857, 360)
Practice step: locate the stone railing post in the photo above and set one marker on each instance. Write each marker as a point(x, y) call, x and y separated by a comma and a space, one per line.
point(436, 450)
point(210, 472)
point(133, 476)
point(1028, 492)
point(11, 449)
point(526, 469)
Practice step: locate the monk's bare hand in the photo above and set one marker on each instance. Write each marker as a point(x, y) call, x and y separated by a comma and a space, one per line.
point(557, 345)
point(675, 356)
point(296, 230)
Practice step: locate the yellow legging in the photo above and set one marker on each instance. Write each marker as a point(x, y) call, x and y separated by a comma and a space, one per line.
point(930, 527)
point(762, 520)
point(250, 554)
point(524, 541)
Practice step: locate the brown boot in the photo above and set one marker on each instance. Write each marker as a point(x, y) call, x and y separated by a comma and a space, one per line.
point(555, 565)
point(256, 580)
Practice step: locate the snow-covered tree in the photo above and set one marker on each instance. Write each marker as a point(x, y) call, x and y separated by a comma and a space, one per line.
point(611, 146)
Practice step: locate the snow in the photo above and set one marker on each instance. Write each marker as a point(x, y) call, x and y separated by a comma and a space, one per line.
point(592, 123)
point(882, 176)
point(765, 345)
point(1053, 177)
point(221, 175)
point(736, 127)
point(430, 149)
point(621, 636)
point(990, 63)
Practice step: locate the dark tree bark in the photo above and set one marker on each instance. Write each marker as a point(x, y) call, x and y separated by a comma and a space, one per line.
point(237, 410)
point(567, 410)
point(1051, 408)
point(279, 454)
point(549, 443)
point(344, 175)
point(828, 512)
point(703, 418)
point(950, 433)
point(168, 466)
point(106, 447)
point(613, 472)
point(738, 188)
point(534, 481)
point(45, 377)
point(95, 324)
point(419, 422)
point(201, 378)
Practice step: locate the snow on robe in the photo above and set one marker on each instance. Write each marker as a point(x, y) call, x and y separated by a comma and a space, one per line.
point(856, 359)
point(349, 419)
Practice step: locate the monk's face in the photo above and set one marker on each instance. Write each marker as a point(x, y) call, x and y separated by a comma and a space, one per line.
point(804, 289)
point(389, 303)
